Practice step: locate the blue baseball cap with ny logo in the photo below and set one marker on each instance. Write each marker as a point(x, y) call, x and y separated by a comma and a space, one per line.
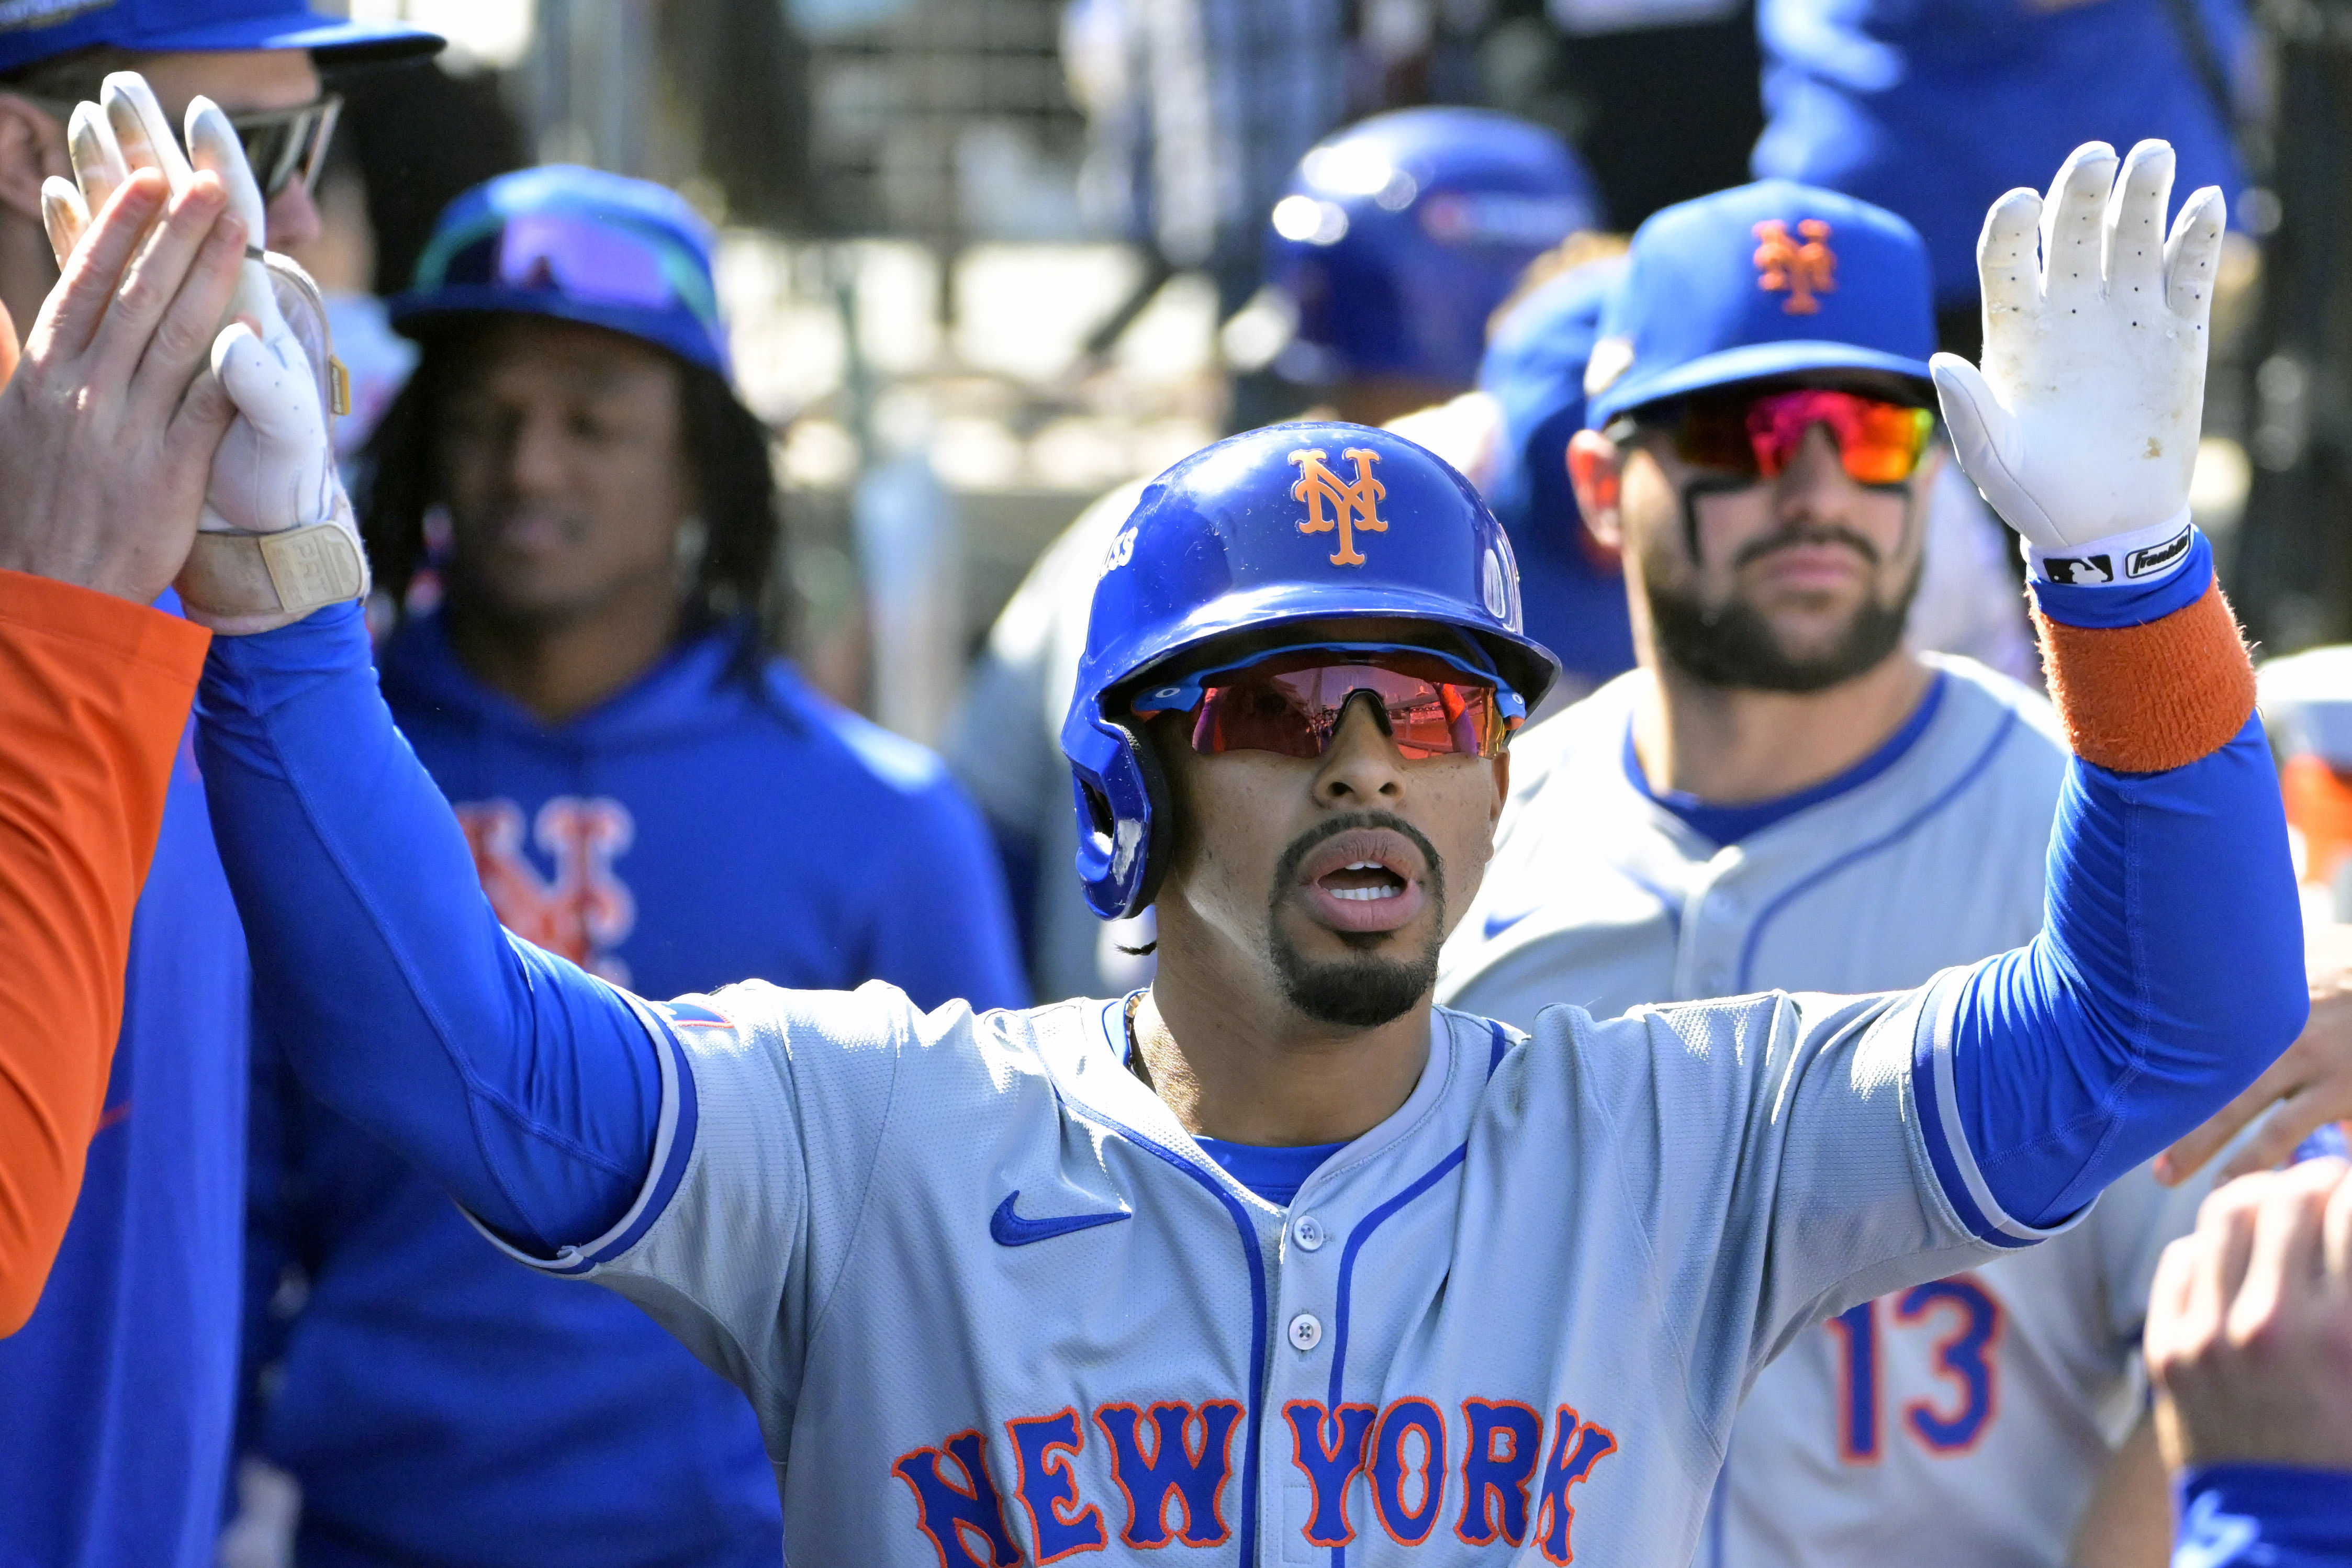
point(32, 31)
point(1764, 280)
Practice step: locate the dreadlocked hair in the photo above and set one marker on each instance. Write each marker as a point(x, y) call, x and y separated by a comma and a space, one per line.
point(725, 444)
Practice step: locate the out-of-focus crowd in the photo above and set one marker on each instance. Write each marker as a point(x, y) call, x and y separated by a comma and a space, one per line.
point(1809, 754)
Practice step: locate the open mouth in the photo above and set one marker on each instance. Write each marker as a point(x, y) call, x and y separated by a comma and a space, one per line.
point(1365, 881)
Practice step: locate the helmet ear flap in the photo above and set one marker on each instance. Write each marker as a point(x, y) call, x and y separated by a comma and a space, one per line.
point(1160, 822)
point(1126, 823)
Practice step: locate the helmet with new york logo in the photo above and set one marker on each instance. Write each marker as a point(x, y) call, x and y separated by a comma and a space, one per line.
point(1276, 527)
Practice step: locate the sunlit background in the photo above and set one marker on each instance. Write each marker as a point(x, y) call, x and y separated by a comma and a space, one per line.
point(944, 297)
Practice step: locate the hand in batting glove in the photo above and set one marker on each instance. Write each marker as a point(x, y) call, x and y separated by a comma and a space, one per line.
point(277, 538)
point(2082, 428)
point(108, 426)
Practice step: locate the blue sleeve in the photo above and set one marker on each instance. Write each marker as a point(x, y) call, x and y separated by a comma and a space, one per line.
point(529, 1088)
point(960, 943)
point(2274, 1516)
point(2169, 974)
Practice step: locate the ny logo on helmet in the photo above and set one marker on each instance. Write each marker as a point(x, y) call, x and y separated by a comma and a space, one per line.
point(1803, 270)
point(1354, 506)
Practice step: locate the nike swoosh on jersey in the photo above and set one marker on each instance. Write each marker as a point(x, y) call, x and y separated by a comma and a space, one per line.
point(1008, 1229)
point(1503, 919)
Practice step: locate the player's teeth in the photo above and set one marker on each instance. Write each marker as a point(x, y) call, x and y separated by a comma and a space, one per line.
point(1361, 894)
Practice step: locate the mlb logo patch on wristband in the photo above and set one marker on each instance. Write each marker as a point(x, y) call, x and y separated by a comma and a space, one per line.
point(2079, 569)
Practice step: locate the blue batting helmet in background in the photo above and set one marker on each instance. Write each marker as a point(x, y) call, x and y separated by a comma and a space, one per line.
point(1275, 526)
point(1399, 235)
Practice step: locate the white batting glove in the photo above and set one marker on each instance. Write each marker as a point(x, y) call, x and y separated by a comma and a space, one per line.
point(2081, 431)
point(278, 539)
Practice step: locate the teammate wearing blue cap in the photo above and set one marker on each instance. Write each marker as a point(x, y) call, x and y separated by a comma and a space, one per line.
point(647, 791)
point(1533, 378)
point(116, 1399)
point(1760, 806)
point(1278, 1254)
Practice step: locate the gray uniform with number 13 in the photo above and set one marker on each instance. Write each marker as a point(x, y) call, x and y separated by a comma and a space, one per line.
point(1963, 1421)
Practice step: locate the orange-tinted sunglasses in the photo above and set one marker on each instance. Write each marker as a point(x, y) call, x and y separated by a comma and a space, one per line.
point(1878, 442)
point(1291, 702)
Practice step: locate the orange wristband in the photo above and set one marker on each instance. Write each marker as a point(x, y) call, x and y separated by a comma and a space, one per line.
point(2142, 699)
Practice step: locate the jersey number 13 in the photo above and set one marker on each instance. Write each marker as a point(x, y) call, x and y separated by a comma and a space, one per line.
point(1968, 1318)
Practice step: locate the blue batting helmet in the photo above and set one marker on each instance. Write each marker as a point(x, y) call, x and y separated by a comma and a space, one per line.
point(1399, 235)
point(1273, 527)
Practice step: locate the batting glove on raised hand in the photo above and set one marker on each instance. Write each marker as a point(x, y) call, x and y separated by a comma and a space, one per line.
point(278, 539)
point(2082, 428)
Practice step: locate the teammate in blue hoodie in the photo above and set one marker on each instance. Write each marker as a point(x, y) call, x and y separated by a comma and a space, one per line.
point(644, 790)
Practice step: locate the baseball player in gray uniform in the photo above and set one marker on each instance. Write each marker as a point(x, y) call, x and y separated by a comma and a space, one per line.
point(1278, 1261)
point(1785, 798)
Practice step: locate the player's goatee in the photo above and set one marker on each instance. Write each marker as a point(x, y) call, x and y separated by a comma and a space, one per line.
point(1365, 992)
point(1734, 645)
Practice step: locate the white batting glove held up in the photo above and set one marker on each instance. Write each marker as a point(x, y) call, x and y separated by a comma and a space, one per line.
point(277, 538)
point(2080, 430)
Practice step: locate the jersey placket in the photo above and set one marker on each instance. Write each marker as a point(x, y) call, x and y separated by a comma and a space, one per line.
point(1329, 1254)
point(1719, 905)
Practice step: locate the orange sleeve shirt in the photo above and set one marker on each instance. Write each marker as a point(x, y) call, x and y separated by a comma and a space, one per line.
point(94, 695)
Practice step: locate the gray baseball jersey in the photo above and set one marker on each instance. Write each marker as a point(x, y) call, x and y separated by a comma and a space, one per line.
point(1959, 1421)
point(992, 1305)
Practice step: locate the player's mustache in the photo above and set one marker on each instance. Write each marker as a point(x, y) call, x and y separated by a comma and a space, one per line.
point(1828, 533)
point(1286, 870)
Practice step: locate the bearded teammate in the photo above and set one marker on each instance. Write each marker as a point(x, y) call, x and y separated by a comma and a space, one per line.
point(984, 1277)
point(1760, 806)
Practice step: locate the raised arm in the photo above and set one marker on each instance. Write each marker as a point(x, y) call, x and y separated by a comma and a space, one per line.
point(107, 430)
point(94, 695)
point(528, 1088)
point(2169, 973)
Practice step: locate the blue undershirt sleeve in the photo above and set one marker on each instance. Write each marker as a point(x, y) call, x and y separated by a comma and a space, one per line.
point(2264, 1516)
point(528, 1088)
point(2169, 974)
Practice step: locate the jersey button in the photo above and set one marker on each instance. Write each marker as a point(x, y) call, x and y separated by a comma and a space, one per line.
point(1307, 1231)
point(1306, 1332)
